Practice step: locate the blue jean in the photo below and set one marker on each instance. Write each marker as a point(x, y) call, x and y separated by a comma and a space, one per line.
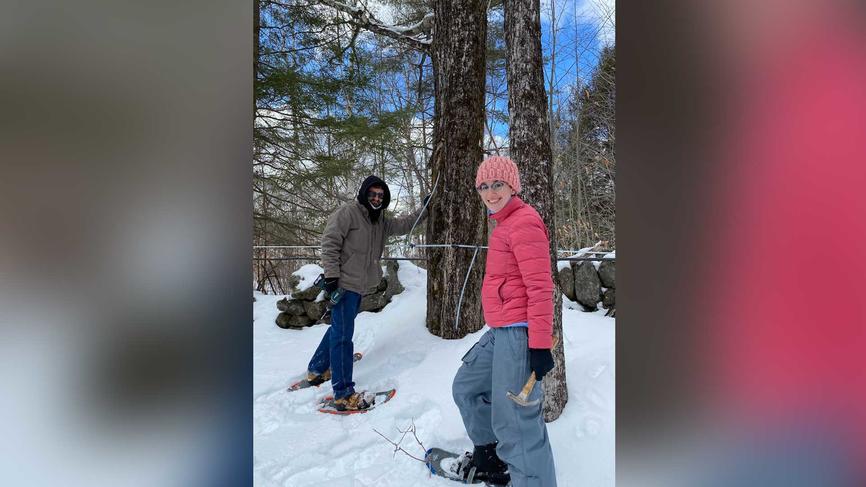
point(336, 348)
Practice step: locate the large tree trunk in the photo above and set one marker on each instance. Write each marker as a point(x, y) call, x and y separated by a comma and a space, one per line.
point(529, 132)
point(256, 41)
point(457, 214)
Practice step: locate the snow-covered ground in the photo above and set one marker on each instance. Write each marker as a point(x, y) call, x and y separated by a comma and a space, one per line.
point(294, 445)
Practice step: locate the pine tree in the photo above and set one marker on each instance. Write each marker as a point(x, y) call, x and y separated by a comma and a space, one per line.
point(320, 123)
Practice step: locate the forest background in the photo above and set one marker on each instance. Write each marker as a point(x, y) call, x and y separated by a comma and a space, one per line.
point(335, 102)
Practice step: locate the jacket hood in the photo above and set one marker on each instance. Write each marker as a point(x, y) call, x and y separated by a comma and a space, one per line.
point(362, 196)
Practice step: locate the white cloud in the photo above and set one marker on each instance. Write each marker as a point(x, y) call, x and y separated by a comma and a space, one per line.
point(498, 141)
point(599, 13)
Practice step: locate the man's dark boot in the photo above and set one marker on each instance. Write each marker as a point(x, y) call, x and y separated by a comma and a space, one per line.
point(488, 466)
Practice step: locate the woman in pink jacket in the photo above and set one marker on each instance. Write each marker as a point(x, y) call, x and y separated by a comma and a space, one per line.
point(510, 440)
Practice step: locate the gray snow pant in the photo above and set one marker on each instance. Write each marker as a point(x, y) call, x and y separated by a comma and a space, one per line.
point(498, 363)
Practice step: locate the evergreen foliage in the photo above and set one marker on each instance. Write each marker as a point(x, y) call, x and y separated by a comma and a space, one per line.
point(585, 154)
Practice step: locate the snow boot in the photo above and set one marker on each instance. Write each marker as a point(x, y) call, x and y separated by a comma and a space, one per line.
point(357, 401)
point(316, 379)
point(485, 465)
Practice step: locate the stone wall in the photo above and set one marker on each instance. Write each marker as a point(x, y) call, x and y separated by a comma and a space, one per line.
point(581, 282)
point(587, 285)
point(309, 307)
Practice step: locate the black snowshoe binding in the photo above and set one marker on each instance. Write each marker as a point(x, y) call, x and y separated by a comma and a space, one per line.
point(483, 464)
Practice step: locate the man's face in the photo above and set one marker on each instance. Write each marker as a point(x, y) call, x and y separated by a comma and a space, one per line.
point(375, 195)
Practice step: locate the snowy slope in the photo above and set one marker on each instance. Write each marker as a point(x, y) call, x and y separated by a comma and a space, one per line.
point(294, 445)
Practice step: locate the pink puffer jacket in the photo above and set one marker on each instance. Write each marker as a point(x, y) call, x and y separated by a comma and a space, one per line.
point(517, 279)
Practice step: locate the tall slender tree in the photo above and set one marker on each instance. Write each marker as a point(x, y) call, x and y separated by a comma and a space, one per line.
point(529, 131)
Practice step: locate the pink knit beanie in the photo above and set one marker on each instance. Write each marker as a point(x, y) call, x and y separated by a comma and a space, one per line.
point(501, 168)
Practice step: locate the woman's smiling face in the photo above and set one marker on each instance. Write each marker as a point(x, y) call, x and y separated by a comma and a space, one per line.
point(495, 194)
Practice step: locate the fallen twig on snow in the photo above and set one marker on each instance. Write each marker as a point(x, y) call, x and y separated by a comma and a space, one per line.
point(397, 444)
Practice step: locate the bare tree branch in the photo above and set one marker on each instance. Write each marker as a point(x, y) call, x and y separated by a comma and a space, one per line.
point(418, 35)
point(397, 446)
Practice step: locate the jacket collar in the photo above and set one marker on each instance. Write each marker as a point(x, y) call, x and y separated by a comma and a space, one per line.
point(363, 209)
point(513, 204)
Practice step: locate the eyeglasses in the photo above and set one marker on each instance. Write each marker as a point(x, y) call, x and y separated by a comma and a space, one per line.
point(496, 186)
point(375, 194)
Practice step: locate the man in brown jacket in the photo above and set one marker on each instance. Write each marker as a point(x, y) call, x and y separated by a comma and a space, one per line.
point(352, 247)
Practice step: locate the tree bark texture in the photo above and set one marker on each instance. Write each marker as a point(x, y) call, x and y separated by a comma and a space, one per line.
point(256, 26)
point(529, 132)
point(456, 211)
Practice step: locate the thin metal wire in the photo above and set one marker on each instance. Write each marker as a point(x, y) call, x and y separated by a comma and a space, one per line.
point(423, 209)
point(287, 246)
point(466, 280)
point(315, 257)
point(454, 246)
point(575, 259)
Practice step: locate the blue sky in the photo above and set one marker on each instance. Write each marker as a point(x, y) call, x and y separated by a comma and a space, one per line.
point(583, 28)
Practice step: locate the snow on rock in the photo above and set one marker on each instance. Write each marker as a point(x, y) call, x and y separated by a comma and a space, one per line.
point(294, 445)
point(307, 275)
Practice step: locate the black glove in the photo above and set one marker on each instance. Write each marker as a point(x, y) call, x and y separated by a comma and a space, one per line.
point(540, 361)
point(330, 285)
point(426, 199)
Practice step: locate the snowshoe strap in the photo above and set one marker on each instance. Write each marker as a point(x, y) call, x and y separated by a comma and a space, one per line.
point(470, 476)
point(464, 473)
